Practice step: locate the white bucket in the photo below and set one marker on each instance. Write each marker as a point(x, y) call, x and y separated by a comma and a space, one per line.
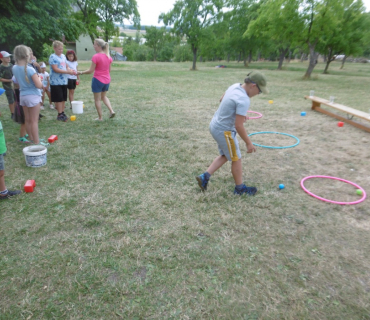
point(35, 156)
point(77, 107)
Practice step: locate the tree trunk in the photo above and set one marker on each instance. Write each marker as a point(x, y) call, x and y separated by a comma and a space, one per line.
point(259, 55)
point(154, 55)
point(282, 56)
point(245, 59)
point(330, 53)
point(343, 61)
point(106, 36)
point(228, 57)
point(250, 56)
point(200, 59)
point(290, 56)
point(303, 56)
point(92, 37)
point(239, 57)
point(194, 67)
point(312, 61)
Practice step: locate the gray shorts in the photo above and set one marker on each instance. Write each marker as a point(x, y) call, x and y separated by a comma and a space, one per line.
point(10, 95)
point(228, 144)
point(29, 100)
point(2, 166)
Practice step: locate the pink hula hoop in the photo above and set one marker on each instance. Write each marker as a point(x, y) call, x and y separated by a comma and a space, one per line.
point(260, 115)
point(333, 178)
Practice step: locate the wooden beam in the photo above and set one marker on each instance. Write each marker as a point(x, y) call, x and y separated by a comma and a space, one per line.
point(315, 105)
point(354, 123)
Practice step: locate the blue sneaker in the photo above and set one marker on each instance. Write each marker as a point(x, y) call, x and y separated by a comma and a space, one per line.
point(251, 191)
point(202, 181)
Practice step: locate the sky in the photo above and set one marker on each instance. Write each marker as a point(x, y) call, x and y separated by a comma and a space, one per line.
point(150, 10)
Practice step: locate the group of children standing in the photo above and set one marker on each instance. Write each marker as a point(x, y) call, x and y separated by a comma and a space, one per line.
point(30, 82)
point(227, 121)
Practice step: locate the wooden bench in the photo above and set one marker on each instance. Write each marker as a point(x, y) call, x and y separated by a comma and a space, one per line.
point(316, 105)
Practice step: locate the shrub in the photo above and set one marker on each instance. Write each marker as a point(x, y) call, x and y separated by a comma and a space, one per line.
point(129, 50)
point(141, 53)
point(166, 53)
point(47, 50)
point(182, 53)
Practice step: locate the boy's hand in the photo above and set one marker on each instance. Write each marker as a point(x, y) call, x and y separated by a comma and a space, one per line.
point(250, 148)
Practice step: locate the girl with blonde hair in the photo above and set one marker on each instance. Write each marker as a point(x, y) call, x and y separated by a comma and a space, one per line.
point(101, 66)
point(30, 95)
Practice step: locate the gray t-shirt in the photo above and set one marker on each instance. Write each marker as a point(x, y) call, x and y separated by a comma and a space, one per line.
point(235, 101)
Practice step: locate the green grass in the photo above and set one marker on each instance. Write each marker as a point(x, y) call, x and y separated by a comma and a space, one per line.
point(117, 227)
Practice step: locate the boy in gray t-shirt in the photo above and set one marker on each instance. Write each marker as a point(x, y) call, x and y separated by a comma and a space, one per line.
point(227, 121)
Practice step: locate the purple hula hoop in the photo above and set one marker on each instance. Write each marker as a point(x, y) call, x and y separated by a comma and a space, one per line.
point(333, 178)
point(260, 115)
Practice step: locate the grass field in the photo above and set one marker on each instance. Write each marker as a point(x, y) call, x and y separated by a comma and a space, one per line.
point(117, 227)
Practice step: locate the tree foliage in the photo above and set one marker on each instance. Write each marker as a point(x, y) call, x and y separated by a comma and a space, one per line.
point(154, 38)
point(280, 22)
point(35, 22)
point(347, 37)
point(239, 19)
point(105, 13)
point(330, 21)
point(190, 18)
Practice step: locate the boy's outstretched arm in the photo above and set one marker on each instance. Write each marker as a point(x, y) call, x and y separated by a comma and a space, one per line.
point(239, 126)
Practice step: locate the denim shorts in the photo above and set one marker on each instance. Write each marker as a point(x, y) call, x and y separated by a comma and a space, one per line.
point(30, 100)
point(97, 86)
point(2, 166)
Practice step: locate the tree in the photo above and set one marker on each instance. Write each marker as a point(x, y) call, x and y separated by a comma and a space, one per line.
point(320, 20)
point(190, 18)
point(238, 19)
point(35, 22)
point(105, 13)
point(279, 21)
point(154, 39)
point(88, 16)
point(365, 42)
point(347, 37)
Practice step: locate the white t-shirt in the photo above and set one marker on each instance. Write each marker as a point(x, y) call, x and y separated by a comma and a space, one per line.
point(44, 78)
point(72, 65)
point(235, 102)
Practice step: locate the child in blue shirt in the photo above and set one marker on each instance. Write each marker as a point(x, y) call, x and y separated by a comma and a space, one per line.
point(30, 93)
point(59, 79)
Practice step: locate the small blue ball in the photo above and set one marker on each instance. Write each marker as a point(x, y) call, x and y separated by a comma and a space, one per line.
point(281, 186)
point(303, 113)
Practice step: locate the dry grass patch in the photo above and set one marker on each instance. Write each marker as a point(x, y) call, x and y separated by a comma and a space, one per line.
point(117, 227)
